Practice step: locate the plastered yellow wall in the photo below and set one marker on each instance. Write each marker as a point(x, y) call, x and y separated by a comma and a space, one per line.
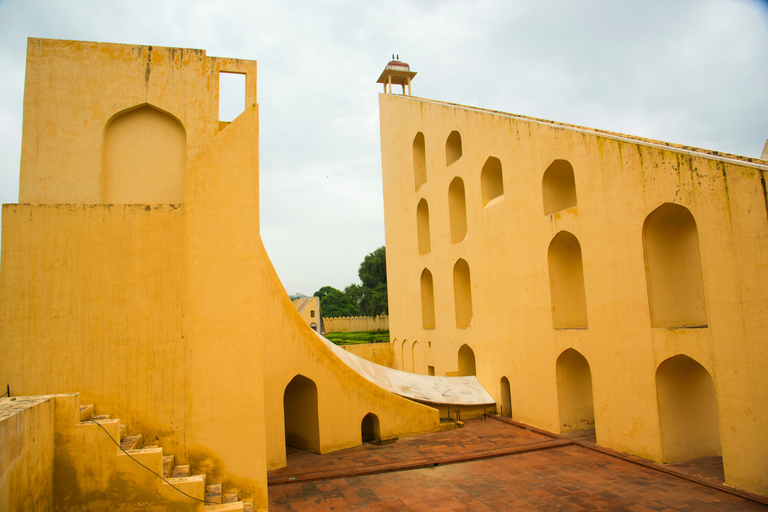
point(344, 397)
point(74, 89)
point(379, 353)
point(618, 183)
point(26, 458)
point(163, 310)
point(146, 309)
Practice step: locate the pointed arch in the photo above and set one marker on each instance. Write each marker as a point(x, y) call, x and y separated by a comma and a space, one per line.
point(457, 210)
point(422, 227)
point(688, 417)
point(506, 398)
point(419, 160)
point(427, 300)
point(466, 357)
point(453, 149)
point(574, 392)
point(673, 268)
point(492, 180)
point(566, 282)
point(558, 187)
point(407, 357)
point(301, 420)
point(370, 431)
point(144, 157)
point(462, 293)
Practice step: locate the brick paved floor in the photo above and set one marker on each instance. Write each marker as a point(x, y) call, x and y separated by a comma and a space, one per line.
point(562, 478)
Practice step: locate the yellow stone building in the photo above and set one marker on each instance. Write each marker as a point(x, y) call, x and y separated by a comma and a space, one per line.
point(133, 273)
point(589, 279)
point(309, 309)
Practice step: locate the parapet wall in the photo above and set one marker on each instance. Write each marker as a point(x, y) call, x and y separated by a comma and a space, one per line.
point(356, 323)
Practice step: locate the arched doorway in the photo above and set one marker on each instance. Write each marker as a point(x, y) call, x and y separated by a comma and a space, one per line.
point(369, 428)
point(688, 421)
point(466, 361)
point(302, 427)
point(574, 392)
point(506, 398)
point(145, 153)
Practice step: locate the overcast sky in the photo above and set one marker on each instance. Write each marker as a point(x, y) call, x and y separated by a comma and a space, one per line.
point(690, 72)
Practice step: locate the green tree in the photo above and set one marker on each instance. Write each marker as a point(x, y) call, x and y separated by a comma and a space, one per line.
point(371, 297)
point(336, 303)
point(322, 292)
point(373, 269)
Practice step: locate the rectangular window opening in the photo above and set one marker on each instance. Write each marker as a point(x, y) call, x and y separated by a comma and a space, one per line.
point(231, 95)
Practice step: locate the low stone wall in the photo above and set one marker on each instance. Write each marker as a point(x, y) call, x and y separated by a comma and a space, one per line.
point(356, 323)
point(379, 353)
point(26, 453)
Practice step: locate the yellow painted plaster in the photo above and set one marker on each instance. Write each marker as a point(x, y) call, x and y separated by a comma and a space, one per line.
point(619, 181)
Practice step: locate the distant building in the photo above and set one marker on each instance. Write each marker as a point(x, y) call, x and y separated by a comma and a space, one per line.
point(309, 309)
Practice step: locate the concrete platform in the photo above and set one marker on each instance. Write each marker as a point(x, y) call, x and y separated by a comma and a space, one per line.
point(495, 465)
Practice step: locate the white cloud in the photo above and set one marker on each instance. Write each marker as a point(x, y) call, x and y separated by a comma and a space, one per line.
point(692, 72)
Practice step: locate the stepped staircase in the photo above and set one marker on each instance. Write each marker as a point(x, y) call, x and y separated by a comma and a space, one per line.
point(176, 475)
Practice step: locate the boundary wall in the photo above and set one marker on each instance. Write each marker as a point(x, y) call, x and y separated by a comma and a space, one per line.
point(356, 323)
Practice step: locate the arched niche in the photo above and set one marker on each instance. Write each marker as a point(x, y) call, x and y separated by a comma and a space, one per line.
point(407, 357)
point(145, 152)
point(419, 358)
point(302, 426)
point(427, 300)
point(422, 227)
point(419, 160)
point(574, 392)
point(566, 282)
point(558, 187)
point(452, 148)
point(673, 268)
point(688, 420)
point(491, 180)
point(457, 210)
point(369, 428)
point(462, 294)
point(466, 358)
point(506, 398)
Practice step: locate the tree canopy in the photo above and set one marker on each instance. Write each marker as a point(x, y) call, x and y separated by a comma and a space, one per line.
point(368, 299)
point(373, 269)
point(336, 303)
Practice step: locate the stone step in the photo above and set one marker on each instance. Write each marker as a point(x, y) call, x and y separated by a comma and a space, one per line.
point(86, 411)
point(180, 471)
point(167, 464)
point(229, 497)
point(213, 494)
point(148, 446)
point(123, 431)
point(193, 485)
point(225, 507)
point(133, 442)
point(247, 506)
point(101, 417)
